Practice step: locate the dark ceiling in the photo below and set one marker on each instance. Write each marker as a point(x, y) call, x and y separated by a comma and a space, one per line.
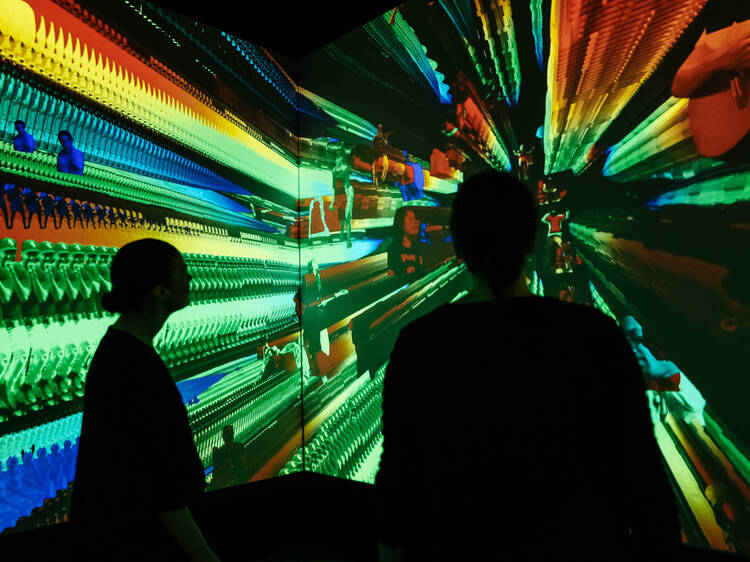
point(294, 29)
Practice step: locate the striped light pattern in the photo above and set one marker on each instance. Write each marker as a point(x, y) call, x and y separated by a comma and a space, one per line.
point(725, 190)
point(600, 54)
point(346, 120)
point(71, 54)
point(503, 73)
point(101, 140)
point(127, 185)
point(601, 304)
point(401, 42)
point(537, 20)
point(660, 146)
point(483, 135)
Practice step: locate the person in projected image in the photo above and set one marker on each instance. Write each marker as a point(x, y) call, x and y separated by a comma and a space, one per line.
point(70, 159)
point(544, 448)
point(229, 461)
point(314, 333)
point(137, 469)
point(663, 377)
point(23, 141)
point(342, 168)
point(380, 144)
point(405, 254)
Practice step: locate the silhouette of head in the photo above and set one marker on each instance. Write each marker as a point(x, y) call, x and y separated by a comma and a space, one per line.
point(494, 221)
point(20, 126)
point(65, 138)
point(145, 272)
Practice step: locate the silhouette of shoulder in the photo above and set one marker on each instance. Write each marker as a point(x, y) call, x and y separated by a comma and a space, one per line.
point(542, 312)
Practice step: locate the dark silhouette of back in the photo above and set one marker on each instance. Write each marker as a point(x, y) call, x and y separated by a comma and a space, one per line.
point(137, 457)
point(518, 425)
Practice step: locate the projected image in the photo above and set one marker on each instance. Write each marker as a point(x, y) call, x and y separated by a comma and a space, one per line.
point(637, 219)
point(311, 201)
point(101, 144)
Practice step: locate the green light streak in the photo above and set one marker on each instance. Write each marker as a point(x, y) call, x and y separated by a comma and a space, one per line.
point(601, 304)
point(349, 121)
point(726, 190)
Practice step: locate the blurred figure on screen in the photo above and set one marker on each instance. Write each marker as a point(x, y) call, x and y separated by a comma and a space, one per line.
point(230, 462)
point(137, 469)
point(342, 168)
point(70, 159)
point(525, 159)
point(314, 332)
point(380, 143)
point(664, 377)
point(405, 255)
point(549, 425)
point(23, 141)
point(317, 224)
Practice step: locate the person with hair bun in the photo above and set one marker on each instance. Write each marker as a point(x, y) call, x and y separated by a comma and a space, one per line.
point(137, 469)
point(515, 426)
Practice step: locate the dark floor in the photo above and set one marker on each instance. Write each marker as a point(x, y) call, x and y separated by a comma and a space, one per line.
point(293, 518)
point(302, 556)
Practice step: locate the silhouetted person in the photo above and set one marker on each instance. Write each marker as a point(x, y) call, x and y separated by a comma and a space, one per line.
point(70, 159)
point(537, 444)
point(137, 469)
point(230, 462)
point(312, 319)
point(341, 171)
point(23, 141)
